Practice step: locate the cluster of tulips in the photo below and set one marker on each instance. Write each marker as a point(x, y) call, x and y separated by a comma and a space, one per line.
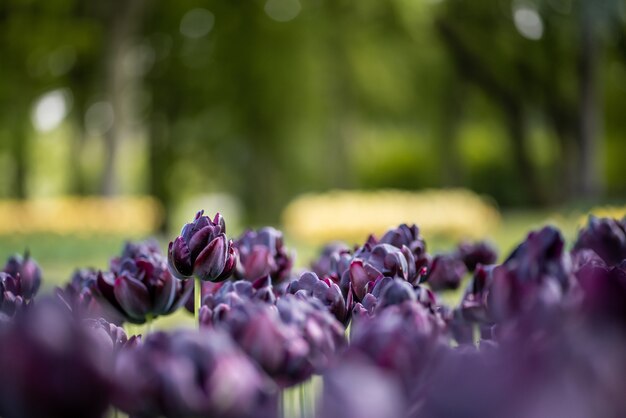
point(541, 334)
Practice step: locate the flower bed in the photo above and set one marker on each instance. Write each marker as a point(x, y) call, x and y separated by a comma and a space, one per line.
point(363, 333)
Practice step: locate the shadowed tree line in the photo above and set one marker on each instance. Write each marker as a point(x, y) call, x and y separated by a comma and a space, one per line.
point(268, 99)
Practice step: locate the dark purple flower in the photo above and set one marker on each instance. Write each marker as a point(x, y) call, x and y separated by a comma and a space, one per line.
point(604, 292)
point(325, 291)
point(473, 306)
point(189, 374)
point(140, 286)
point(400, 339)
point(110, 335)
point(11, 297)
point(382, 260)
point(202, 250)
point(446, 272)
point(52, 366)
point(333, 261)
point(279, 349)
point(356, 388)
point(323, 333)
point(534, 277)
point(606, 237)
point(262, 253)
point(474, 253)
point(27, 271)
point(408, 236)
point(82, 296)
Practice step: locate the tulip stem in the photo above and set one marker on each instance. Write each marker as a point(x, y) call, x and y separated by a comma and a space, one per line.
point(280, 400)
point(198, 300)
point(302, 406)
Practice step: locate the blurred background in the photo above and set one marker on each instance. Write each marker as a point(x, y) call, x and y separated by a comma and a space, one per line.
point(122, 118)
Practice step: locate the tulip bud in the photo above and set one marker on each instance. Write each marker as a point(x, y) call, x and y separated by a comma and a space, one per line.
point(28, 271)
point(203, 250)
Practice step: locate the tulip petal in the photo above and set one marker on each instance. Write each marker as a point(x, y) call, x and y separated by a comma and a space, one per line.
point(179, 259)
point(164, 294)
point(211, 262)
point(133, 297)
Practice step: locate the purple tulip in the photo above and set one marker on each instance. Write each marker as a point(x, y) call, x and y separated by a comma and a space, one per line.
point(52, 366)
point(533, 278)
point(382, 260)
point(474, 253)
point(27, 271)
point(356, 388)
point(278, 348)
point(473, 306)
point(140, 286)
point(323, 333)
point(408, 236)
point(604, 293)
point(83, 297)
point(606, 237)
point(262, 253)
point(190, 374)
point(202, 250)
point(325, 291)
point(333, 261)
point(400, 339)
point(446, 272)
point(110, 335)
point(11, 298)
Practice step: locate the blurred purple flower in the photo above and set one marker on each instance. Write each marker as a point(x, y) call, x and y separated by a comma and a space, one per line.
point(11, 298)
point(27, 271)
point(408, 236)
point(474, 253)
point(110, 335)
point(262, 253)
point(82, 296)
point(606, 237)
point(323, 333)
point(333, 261)
point(325, 291)
point(52, 366)
point(356, 388)
point(279, 349)
point(401, 339)
point(533, 278)
point(446, 272)
point(189, 374)
point(202, 250)
point(604, 293)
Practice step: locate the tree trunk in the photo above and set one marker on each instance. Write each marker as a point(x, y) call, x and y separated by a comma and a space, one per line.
point(125, 20)
point(588, 120)
point(20, 158)
point(159, 165)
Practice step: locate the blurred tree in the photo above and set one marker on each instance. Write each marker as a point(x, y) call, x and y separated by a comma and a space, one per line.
point(531, 63)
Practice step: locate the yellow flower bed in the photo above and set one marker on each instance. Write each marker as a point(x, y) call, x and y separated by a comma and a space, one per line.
point(352, 215)
point(118, 215)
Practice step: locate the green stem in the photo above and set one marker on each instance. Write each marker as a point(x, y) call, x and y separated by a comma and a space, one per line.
point(198, 300)
point(302, 406)
point(148, 325)
point(281, 404)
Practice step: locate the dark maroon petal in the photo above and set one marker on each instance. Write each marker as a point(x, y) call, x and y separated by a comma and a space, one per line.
point(198, 241)
point(258, 263)
point(359, 278)
point(164, 294)
point(133, 297)
point(211, 262)
point(179, 259)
